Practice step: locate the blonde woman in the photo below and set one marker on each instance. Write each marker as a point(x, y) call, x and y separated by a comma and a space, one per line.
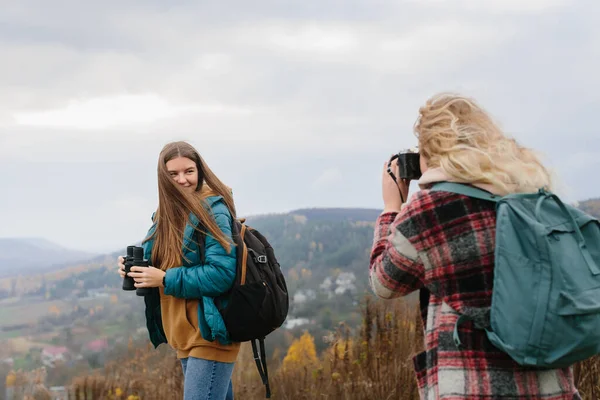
point(181, 308)
point(443, 244)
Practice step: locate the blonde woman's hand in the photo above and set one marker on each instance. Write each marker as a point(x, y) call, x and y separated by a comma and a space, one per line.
point(394, 194)
point(147, 277)
point(120, 263)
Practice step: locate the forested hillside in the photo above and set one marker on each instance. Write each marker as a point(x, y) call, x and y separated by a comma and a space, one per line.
point(591, 206)
point(81, 314)
point(323, 254)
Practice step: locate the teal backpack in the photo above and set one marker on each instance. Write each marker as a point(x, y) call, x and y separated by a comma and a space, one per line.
point(546, 298)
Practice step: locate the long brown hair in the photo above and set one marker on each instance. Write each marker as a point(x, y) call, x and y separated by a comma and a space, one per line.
point(175, 205)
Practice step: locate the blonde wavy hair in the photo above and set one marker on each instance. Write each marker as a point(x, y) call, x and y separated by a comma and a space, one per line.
point(458, 136)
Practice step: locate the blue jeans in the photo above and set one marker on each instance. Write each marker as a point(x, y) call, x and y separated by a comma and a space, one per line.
point(206, 380)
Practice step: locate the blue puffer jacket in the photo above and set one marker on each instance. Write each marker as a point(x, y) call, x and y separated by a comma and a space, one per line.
point(194, 280)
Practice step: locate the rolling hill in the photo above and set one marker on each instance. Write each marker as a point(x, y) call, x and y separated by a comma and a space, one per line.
point(324, 254)
point(591, 206)
point(24, 256)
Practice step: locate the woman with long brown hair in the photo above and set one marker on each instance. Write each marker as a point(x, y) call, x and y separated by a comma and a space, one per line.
point(192, 203)
point(443, 244)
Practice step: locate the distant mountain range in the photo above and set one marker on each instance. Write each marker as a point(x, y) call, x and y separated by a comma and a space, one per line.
point(326, 214)
point(29, 256)
point(324, 255)
point(24, 256)
point(591, 206)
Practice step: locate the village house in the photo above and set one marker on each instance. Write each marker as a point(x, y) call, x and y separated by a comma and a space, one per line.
point(96, 346)
point(52, 354)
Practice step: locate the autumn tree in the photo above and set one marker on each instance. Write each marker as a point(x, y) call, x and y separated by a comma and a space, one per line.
point(301, 352)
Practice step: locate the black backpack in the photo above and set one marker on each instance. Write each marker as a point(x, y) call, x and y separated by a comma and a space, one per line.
point(258, 300)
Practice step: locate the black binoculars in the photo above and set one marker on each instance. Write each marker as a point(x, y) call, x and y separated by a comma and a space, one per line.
point(134, 257)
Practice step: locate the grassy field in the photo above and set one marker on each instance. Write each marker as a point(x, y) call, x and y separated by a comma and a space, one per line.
point(17, 311)
point(28, 312)
point(22, 345)
point(112, 330)
point(12, 334)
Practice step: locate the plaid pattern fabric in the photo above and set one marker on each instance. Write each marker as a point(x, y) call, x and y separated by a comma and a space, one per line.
point(443, 244)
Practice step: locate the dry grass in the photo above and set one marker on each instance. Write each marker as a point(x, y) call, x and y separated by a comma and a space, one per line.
point(587, 378)
point(374, 362)
point(142, 373)
point(27, 385)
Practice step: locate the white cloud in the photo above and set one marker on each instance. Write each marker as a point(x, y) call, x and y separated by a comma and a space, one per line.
point(436, 45)
point(132, 216)
point(581, 159)
point(118, 111)
point(312, 37)
point(328, 177)
point(443, 37)
point(494, 6)
point(513, 6)
point(309, 95)
point(132, 205)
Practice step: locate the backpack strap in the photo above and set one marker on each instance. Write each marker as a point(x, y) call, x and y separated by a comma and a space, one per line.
point(455, 336)
point(580, 239)
point(261, 364)
point(469, 191)
point(466, 190)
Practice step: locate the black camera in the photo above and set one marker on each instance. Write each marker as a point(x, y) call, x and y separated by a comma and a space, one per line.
point(409, 164)
point(135, 257)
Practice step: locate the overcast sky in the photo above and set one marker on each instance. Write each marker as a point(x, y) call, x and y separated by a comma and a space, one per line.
point(292, 103)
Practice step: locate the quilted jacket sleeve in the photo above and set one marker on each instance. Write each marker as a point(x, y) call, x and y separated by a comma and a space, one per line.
point(216, 275)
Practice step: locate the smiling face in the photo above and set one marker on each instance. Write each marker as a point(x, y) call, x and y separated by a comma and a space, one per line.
point(184, 171)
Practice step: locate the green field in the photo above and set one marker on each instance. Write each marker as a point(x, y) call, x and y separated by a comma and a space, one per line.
point(29, 311)
point(112, 330)
point(12, 334)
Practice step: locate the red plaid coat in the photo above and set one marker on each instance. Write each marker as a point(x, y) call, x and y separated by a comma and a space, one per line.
point(443, 244)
